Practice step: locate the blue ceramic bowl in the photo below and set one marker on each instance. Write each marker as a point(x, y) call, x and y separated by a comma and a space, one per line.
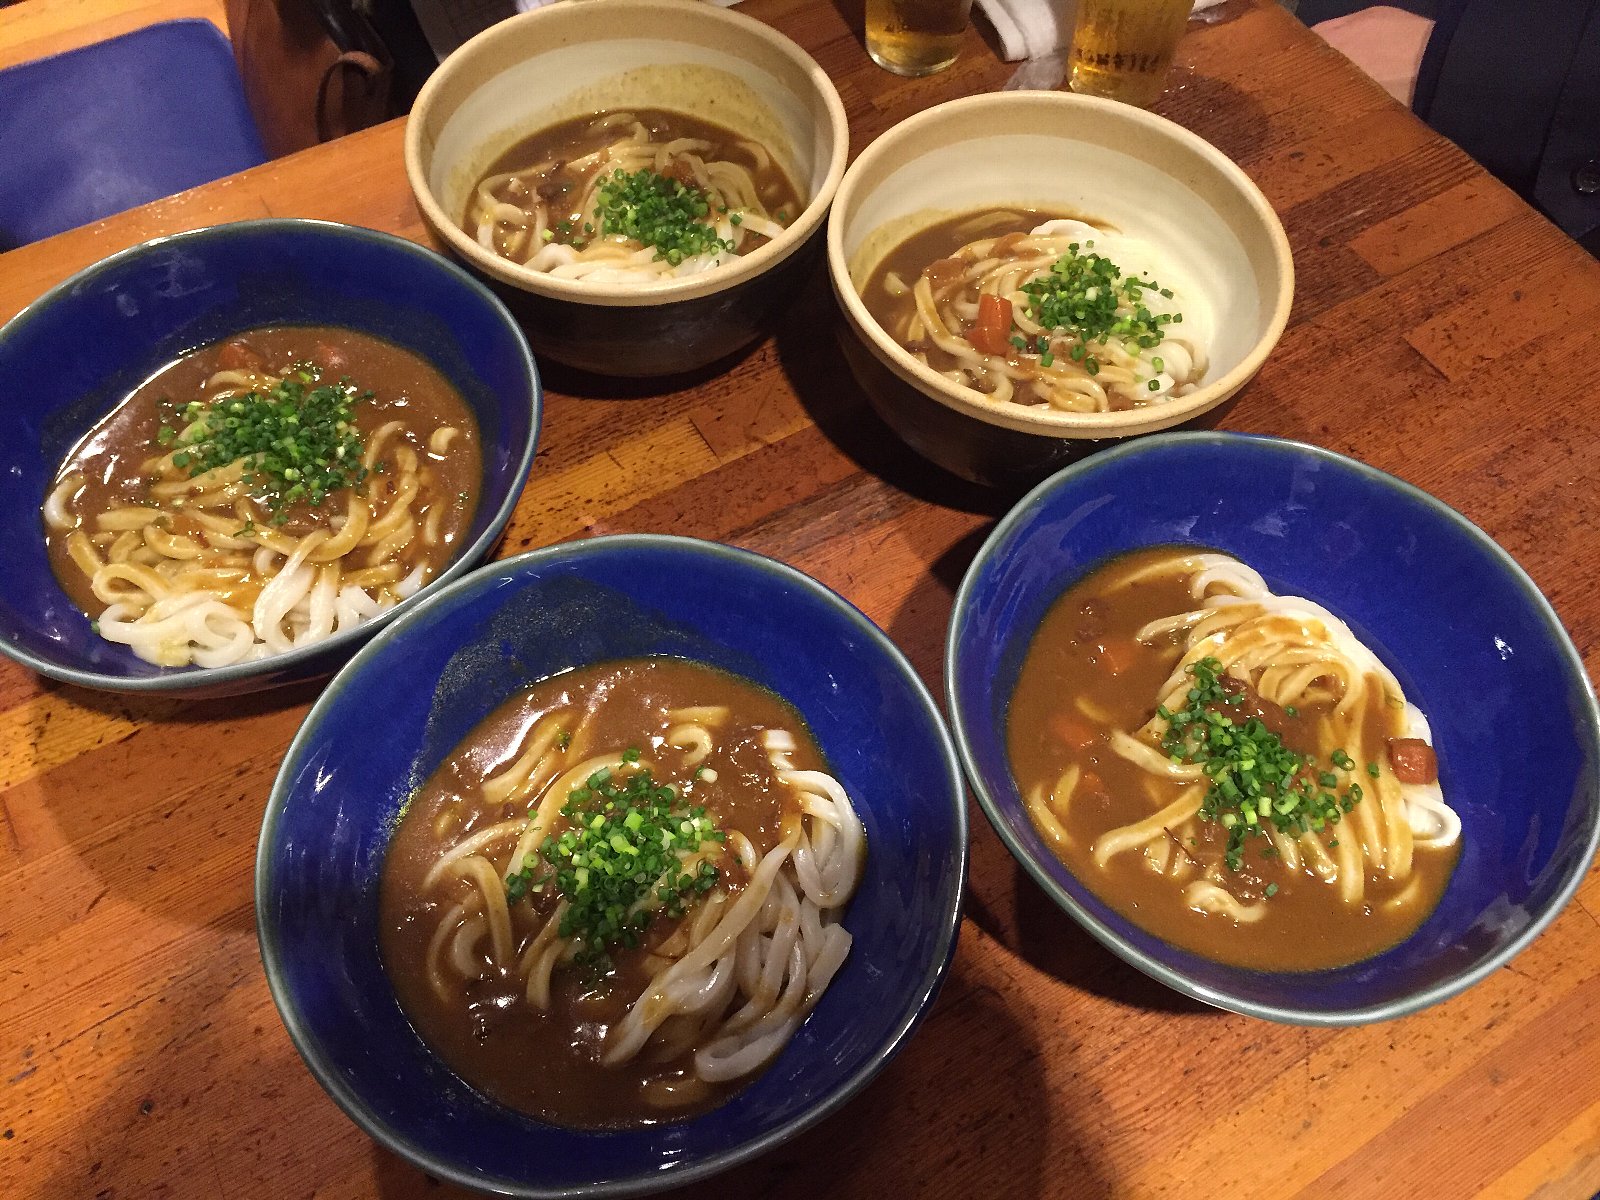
point(434, 674)
point(76, 352)
point(1468, 634)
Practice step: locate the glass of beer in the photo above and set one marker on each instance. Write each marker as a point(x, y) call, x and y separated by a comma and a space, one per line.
point(1121, 49)
point(916, 37)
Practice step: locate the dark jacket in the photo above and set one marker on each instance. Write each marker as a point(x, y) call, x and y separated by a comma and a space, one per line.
point(1516, 84)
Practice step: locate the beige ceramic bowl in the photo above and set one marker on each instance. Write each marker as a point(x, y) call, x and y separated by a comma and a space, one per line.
point(1110, 163)
point(583, 56)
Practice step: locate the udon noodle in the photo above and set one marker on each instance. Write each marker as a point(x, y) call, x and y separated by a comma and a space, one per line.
point(698, 987)
point(631, 197)
point(206, 567)
point(1231, 760)
point(1053, 313)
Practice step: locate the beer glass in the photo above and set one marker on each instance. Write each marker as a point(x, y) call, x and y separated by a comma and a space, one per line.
point(1121, 49)
point(915, 37)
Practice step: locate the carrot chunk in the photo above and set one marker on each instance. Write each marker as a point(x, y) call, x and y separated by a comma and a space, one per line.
point(1073, 731)
point(992, 333)
point(1116, 657)
point(1413, 760)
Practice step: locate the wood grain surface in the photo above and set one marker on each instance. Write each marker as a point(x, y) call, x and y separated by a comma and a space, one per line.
point(1441, 331)
point(39, 27)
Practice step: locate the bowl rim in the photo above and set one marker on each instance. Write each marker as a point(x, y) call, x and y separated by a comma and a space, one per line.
point(1108, 937)
point(1018, 417)
point(489, 578)
point(618, 295)
point(189, 679)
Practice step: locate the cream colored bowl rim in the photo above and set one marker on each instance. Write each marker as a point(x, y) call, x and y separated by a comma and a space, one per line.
point(1016, 416)
point(608, 26)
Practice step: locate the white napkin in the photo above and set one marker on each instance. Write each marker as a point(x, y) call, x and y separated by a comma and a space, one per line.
point(1037, 28)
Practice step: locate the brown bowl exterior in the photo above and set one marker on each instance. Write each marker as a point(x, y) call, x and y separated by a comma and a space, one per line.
point(991, 455)
point(649, 341)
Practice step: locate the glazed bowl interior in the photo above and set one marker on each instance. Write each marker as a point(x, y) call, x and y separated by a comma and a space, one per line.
point(1466, 632)
point(571, 60)
point(74, 354)
point(436, 673)
point(1106, 163)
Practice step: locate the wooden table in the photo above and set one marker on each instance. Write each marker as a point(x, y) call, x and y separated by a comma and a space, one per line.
point(39, 27)
point(1441, 331)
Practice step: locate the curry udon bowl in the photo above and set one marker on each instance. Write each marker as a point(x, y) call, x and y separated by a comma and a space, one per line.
point(74, 354)
point(434, 674)
point(565, 61)
point(1110, 164)
point(1466, 632)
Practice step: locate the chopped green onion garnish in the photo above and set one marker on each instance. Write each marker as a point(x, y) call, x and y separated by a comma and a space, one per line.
point(1084, 295)
point(631, 851)
point(297, 444)
point(658, 211)
point(1255, 777)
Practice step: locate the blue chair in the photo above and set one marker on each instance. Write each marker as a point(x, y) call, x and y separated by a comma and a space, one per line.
point(104, 128)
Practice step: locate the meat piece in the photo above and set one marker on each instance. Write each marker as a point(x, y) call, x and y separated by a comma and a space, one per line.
point(555, 184)
point(238, 356)
point(1297, 732)
point(1091, 790)
point(1413, 760)
point(331, 359)
point(944, 271)
point(1003, 245)
point(1091, 621)
point(680, 170)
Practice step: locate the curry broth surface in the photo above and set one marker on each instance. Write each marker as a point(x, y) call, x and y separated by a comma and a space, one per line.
point(922, 249)
point(574, 139)
point(1085, 635)
point(547, 1064)
point(405, 387)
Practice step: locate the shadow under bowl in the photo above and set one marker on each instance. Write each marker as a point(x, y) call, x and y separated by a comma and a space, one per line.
point(653, 341)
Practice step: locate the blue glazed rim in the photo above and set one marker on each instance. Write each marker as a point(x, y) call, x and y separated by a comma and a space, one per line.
point(487, 578)
point(184, 679)
point(1105, 934)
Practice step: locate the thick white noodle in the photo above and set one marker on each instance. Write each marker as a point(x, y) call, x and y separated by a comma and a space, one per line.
point(235, 591)
point(1127, 374)
point(743, 968)
point(522, 230)
point(1287, 647)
